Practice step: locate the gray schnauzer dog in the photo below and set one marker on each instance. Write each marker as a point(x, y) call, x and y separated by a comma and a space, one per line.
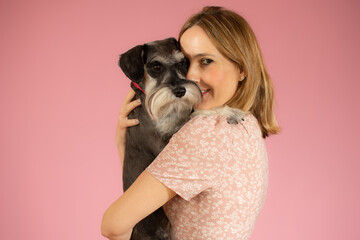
point(157, 71)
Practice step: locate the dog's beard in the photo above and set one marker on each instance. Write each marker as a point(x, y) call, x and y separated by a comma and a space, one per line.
point(168, 111)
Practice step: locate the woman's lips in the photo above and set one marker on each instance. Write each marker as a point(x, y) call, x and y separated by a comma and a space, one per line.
point(205, 91)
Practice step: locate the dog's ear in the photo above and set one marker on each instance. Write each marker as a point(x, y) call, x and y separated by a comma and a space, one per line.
point(132, 63)
point(176, 42)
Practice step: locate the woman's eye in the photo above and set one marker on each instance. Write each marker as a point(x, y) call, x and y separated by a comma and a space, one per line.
point(206, 61)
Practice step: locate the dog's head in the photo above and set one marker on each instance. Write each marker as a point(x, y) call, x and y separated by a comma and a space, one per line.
point(154, 60)
point(159, 68)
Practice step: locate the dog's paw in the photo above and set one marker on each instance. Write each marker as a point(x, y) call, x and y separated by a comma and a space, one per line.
point(162, 234)
point(234, 115)
point(232, 120)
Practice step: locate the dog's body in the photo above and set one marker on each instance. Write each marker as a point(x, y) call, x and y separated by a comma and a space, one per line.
point(157, 71)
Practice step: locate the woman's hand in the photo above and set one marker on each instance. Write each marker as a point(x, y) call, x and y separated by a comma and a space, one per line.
point(124, 122)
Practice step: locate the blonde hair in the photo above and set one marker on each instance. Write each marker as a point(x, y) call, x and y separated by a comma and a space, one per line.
point(233, 37)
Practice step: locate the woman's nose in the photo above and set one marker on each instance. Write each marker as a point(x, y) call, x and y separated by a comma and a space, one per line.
point(192, 74)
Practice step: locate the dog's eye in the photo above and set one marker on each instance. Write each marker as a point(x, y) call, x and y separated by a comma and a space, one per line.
point(156, 66)
point(183, 63)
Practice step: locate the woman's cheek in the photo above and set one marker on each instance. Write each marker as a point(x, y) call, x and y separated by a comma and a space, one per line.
point(215, 77)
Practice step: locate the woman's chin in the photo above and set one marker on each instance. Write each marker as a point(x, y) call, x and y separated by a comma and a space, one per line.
point(205, 103)
point(203, 106)
point(199, 107)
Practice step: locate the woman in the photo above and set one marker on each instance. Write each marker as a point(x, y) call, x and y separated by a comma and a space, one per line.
point(212, 176)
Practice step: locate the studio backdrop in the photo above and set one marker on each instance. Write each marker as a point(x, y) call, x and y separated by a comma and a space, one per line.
point(61, 90)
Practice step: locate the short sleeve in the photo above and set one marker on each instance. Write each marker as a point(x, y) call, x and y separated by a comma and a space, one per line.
point(194, 158)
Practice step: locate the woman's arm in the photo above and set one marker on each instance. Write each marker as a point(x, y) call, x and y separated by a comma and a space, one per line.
point(144, 196)
point(124, 122)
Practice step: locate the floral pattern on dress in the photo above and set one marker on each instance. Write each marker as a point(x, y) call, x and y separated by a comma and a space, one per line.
point(220, 173)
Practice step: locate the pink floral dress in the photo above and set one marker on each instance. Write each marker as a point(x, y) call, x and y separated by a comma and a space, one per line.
point(220, 173)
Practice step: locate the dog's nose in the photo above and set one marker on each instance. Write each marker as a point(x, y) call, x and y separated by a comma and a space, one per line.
point(179, 92)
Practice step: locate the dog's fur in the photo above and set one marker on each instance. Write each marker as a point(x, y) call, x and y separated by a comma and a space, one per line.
point(168, 99)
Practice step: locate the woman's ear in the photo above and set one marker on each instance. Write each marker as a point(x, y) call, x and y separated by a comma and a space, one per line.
point(242, 77)
point(242, 74)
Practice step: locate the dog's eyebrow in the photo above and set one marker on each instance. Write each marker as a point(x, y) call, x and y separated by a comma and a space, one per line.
point(164, 59)
point(168, 60)
point(178, 55)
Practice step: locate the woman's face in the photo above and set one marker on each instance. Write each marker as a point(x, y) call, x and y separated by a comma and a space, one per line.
point(217, 76)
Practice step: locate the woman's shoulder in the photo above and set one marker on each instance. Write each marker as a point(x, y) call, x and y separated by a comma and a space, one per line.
point(219, 124)
point(203, 123)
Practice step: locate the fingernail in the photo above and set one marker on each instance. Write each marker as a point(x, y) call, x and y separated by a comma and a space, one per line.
point(139, 101)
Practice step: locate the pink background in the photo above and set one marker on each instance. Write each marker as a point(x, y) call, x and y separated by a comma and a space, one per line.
point(61, 90)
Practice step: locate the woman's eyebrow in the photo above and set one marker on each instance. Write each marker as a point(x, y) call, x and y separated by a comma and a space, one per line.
point(203, 55)
point(200, 55)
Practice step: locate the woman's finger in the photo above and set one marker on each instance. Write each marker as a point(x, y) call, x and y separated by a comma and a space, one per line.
point(123, 120)
point(124, 123)
point(132, 122)
point(129, 96)
point(127, 108)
